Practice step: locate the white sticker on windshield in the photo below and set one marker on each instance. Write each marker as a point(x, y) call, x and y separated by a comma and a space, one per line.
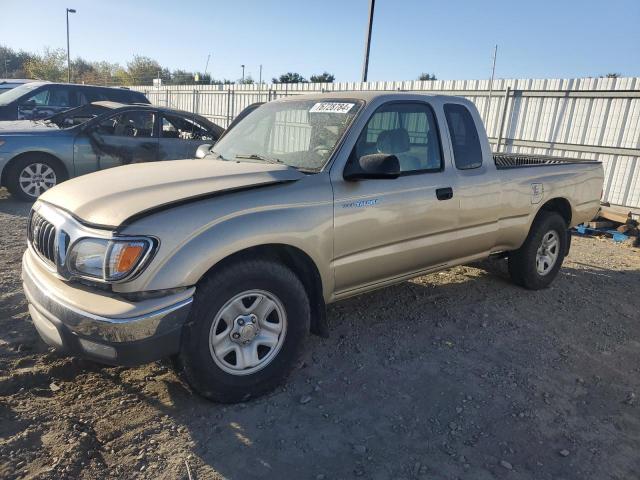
point(331, 107)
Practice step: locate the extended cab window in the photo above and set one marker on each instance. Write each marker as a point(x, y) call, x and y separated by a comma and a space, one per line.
point(406, 130)
point(128, 124)
point(464, 136)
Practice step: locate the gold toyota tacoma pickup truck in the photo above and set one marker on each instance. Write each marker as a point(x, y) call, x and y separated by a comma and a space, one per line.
point(227, 262)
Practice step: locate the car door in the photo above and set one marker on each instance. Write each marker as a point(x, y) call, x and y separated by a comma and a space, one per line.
point(47, 101)
point(476, 186)
point(181, 135)
point(120, 139)
point(388, 228)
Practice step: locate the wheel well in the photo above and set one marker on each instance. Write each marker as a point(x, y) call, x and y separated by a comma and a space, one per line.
point(17, 158)
point(558, 205)
point(301, 264)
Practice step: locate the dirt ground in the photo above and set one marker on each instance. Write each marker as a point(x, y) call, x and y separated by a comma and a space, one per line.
point(457, 374)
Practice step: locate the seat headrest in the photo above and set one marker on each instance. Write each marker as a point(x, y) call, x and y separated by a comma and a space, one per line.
point(393, 141)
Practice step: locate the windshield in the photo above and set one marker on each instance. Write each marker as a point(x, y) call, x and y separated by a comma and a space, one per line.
point(299, 133)
point(7, 97)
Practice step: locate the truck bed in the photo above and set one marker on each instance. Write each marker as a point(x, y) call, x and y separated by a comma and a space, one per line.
point(523, 160)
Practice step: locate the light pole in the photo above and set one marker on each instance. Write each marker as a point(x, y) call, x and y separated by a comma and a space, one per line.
point(69, 10)
point(365, 65)
point(242, 73)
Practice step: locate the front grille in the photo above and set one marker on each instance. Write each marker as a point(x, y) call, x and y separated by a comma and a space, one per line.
point(42, 236)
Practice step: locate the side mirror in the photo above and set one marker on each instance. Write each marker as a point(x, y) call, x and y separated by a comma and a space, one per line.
point(374, 166)
point(203, 150)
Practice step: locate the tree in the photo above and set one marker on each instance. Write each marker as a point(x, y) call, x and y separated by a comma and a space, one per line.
point(248, 80)
point(105, 72)
point(122, 77)
point(182, 77)
point(325, 77)
point(427, 76)
point(50, 66)
point(143, 70)
point(12, 62)
point(289, 77)
point(612, 75)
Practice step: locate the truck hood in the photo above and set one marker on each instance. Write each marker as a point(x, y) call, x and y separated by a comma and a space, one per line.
point(110, 198)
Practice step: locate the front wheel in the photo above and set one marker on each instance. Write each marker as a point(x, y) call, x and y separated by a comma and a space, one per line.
point(537, 262)
point(32, 175)
point(245, 332)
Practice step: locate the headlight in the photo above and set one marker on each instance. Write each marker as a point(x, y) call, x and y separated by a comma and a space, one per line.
point(109, 260)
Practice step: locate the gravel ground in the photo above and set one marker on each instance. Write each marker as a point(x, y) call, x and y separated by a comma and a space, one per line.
point(453, 375)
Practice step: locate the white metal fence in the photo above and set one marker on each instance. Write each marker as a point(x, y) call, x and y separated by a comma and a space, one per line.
point(589, 118)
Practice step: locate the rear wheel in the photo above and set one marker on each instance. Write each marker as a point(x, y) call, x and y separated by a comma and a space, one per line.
point(246, 331)
point(536, 264)
point(32, 175)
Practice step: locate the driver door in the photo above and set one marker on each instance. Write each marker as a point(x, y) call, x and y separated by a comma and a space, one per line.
point(387, 228)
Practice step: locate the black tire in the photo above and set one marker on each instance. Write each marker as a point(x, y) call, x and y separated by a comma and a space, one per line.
point(198, 366)
point(522, 262)
point(16, 168)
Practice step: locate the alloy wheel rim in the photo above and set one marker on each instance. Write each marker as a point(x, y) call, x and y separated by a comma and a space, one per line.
point(547, 254)
point(36, 178)
point(248, 332)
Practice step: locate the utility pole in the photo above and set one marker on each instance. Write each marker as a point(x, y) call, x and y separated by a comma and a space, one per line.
point(260, 80)
point(206, 67)
point(69, 10)
point(365, 66)
point(493, 74)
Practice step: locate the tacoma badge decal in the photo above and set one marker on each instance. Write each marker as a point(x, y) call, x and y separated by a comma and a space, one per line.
point(360, 203)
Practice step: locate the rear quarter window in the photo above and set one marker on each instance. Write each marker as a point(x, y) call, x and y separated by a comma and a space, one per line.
point(467, 152)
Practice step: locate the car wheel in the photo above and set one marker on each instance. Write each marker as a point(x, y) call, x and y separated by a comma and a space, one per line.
point(33, 175)
point(537, 262)
point(245, 332)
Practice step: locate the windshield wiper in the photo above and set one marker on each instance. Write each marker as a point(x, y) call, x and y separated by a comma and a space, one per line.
point(216, 155)
point(255, 156)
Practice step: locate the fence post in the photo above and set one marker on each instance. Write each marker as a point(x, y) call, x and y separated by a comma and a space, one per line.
point(502, 117)
point(228, 104)
point(233, 105)
point(166, 97)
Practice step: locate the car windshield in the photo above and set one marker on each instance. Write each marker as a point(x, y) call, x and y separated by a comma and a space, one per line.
point(299, 133)
point(7, 97)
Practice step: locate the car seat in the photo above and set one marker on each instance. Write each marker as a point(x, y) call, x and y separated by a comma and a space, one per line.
point(396, 142)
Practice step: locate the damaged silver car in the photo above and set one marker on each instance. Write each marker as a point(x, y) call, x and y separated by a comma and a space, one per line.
point(35, 155)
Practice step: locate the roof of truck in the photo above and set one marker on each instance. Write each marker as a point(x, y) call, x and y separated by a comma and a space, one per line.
point(365, 95)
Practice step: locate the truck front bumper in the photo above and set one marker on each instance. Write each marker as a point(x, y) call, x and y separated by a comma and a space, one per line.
point(101, 326)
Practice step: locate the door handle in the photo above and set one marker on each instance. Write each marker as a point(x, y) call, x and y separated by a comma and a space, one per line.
point(444, 193)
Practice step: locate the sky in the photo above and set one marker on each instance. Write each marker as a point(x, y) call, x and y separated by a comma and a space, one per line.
point(452, 39)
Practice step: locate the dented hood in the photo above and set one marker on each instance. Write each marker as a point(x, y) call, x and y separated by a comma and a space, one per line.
point(110, 197)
